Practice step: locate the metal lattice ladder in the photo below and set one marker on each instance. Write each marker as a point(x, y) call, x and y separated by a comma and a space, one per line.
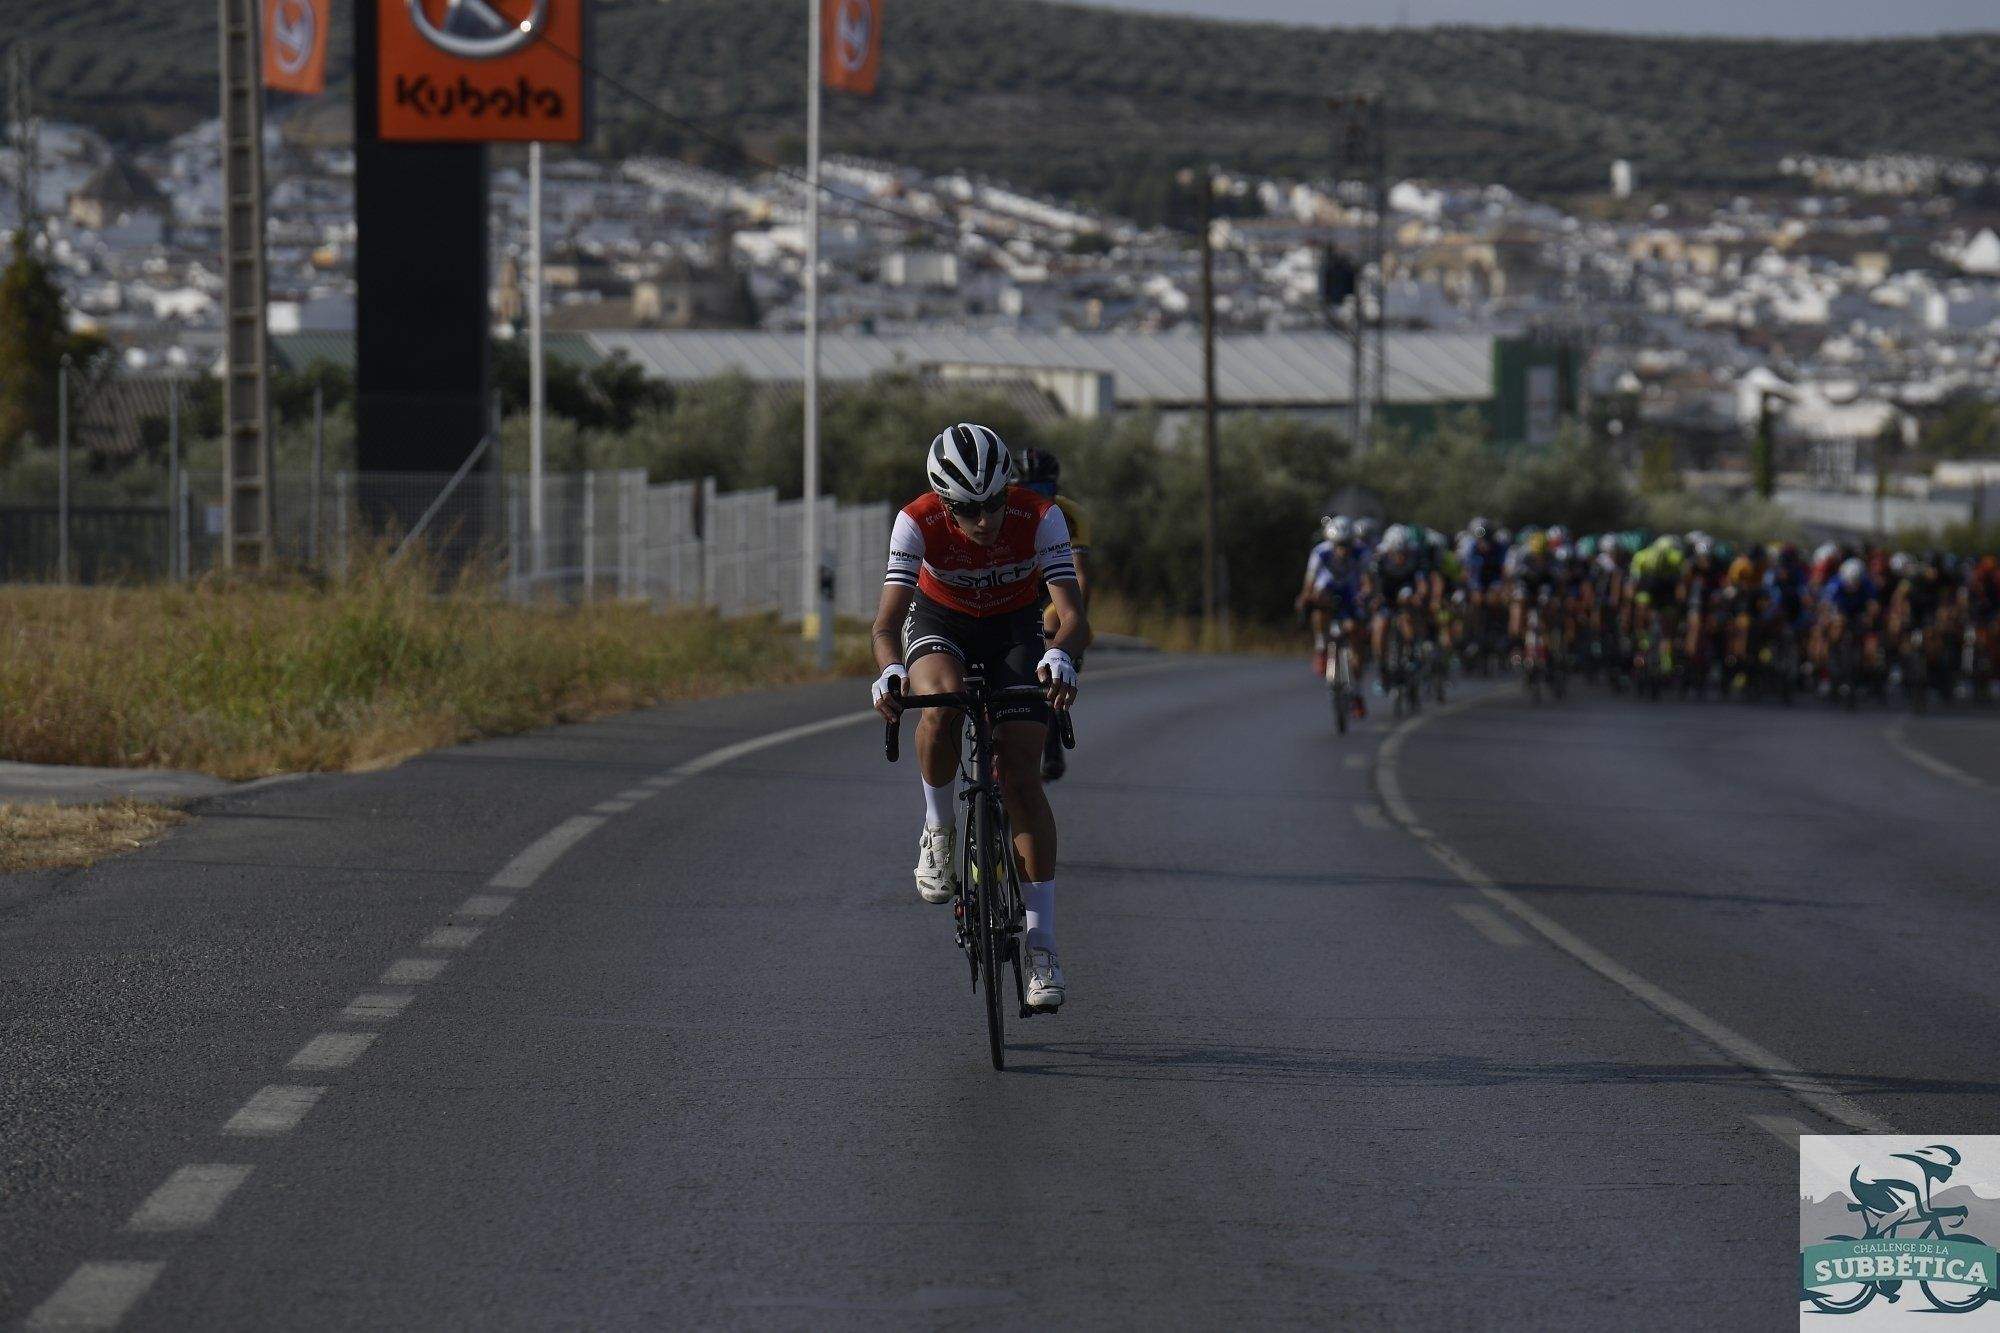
point(246, 455)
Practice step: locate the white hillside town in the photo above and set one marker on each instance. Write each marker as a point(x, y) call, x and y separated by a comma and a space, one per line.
point(1862, 302)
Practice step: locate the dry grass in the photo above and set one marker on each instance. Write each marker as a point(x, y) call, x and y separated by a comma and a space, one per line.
point(243, 681)
point(1175, 633)
point(67, 837)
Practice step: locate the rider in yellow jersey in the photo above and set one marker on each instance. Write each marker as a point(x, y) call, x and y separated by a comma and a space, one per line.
point(1040, 471)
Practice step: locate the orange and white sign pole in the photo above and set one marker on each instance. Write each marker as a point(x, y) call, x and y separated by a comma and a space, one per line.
point(815, 607)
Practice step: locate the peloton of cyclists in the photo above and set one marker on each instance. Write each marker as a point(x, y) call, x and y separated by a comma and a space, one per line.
point(1693, 609)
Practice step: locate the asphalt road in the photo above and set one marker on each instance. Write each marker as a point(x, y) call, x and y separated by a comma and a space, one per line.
point(1504, 1019)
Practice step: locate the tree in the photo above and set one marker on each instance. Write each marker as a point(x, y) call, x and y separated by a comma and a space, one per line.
point(34, 337)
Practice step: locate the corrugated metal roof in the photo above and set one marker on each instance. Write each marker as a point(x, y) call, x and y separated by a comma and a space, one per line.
point(1148, 368)
point(296, 351)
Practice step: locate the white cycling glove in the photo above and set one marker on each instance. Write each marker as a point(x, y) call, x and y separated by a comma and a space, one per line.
point(895, 671)
point(1062, 671)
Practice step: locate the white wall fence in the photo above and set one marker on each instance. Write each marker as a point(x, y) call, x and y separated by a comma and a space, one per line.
point(1858, 515)
point(605, 534)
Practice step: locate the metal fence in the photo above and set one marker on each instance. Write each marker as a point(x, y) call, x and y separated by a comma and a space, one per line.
point(606, 534)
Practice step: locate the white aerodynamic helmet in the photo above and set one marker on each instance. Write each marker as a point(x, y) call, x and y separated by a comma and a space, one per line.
point(968, 464)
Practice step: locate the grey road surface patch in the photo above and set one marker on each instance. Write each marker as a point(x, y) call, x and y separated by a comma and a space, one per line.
point(1897, 734)
point(1815, 1093)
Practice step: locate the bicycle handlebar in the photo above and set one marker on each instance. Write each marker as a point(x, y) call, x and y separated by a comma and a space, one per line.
point(892, 732)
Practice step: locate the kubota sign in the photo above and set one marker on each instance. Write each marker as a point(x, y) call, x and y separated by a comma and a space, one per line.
point(480, 70)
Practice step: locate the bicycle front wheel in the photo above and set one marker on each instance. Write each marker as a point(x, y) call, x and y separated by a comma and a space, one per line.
point(992, 924)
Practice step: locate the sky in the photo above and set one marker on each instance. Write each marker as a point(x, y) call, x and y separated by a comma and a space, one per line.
point(1784, 18)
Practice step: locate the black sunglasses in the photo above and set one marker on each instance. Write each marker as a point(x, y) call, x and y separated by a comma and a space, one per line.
point(972, 509)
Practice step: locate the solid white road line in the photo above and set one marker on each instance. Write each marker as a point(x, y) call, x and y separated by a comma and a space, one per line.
point(374, 1006)
point(1783, 1127)
point(1488, 923)
point(190, 1198)
point(484, 904)
point(331, 1050)
point(96, 1295)
point(271, 1111)
point(663, 781)
point(525, 869)
point(413, 971)
point(450, 937)
point(637, 794)
point(612, 807)
point(1897, 734)
point(1814, 1092)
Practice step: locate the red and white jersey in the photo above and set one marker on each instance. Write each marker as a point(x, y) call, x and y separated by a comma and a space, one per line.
point(928, 552)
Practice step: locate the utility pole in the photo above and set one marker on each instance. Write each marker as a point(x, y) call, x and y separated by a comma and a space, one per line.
point(1364, 152)
point(536, 385)
point(1763, 462)
point(246, 440)
point(62, 469)
point(1380, 168)
point(23, 130)
point(1204, 181)
point(815, 577)
point(174, 506)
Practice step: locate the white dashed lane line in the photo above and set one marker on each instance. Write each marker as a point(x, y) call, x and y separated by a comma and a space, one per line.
point(191, 1198)
point(636, 794)
point(97, 1295)
point(376, 1006)
point(272, 1111)
point(485, 904)
point(331, 1050)
point(413, 971)
point(525, 869)
point(451, 937)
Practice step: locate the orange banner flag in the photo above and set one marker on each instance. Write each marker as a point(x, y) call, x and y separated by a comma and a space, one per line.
point(295, 38)
point(850, 44)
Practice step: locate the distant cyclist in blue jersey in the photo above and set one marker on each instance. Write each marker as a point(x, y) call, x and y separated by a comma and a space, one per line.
point(1332, 587)
point(1848, 607)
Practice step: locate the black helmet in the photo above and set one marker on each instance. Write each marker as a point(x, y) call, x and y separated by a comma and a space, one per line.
point(1039, 465)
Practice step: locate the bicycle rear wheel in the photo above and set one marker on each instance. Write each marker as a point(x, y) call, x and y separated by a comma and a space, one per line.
point(992, 924)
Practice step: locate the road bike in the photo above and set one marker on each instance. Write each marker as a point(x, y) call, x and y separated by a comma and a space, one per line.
point(1950, 1297)
point(1340, 675)
point(1543, 665)
point(988, 917)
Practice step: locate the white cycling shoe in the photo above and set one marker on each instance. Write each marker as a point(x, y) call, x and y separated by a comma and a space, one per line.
point(1045, 980)
point(934, 880)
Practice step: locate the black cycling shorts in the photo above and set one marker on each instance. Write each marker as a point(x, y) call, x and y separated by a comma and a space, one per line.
point(1006, 649)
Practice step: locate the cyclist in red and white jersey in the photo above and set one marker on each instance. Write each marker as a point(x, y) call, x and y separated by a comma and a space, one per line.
point(967, 566)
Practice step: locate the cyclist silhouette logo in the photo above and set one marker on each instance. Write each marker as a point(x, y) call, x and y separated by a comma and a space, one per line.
point(1922, 1208)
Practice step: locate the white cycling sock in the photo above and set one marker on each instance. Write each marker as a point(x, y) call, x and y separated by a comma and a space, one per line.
point(1039, 896)
point(938, 802)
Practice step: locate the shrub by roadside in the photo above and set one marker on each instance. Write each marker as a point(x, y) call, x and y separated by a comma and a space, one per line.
point(243, 681)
